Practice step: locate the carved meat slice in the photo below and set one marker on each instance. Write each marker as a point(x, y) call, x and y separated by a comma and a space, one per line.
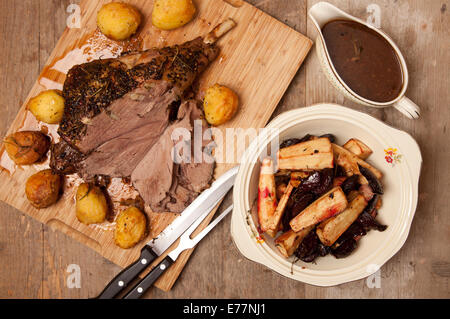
point(160, 180)
point(138, 108)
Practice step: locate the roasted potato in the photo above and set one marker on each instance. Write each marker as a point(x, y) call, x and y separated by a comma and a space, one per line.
point(48, 106)
point(43, 188)
point(220, 104)
point(118, 20)
point(172, 14)
point(91, 204)
point(131, 228)
point(26, 147)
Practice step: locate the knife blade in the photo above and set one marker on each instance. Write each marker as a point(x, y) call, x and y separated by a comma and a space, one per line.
point(205, 202)
point(185, 243)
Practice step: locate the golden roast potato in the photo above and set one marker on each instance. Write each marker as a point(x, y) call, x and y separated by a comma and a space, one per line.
point(48, 106)
point(26, 147)
point(91, 204)
point(118, 20)
point(131, 228)
point(172, 14)
point(43, 188)
point(220, 104)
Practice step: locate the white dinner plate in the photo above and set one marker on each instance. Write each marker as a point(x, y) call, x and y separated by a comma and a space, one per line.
point(395, 153)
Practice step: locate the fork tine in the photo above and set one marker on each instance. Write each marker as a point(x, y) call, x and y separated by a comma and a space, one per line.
point(185, 240)
point(194, 226)
point(188, 232)
point(208, 228)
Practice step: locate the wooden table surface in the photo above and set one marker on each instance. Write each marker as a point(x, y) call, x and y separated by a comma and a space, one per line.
point(35, 262)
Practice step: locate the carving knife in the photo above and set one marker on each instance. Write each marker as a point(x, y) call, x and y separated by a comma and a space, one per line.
point(185, 243)
point(205, 202)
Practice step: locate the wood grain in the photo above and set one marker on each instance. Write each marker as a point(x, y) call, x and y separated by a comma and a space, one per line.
point(216, 269)
point(419, 30)
point(259, 48)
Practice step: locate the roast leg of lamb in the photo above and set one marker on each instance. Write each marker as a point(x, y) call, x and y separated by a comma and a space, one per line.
point(120, 112)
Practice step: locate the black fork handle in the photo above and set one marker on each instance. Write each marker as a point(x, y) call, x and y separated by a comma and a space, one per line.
point(145, 283)
point(123, 279)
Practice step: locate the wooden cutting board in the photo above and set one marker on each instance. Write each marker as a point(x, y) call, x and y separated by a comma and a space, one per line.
point(258, 60)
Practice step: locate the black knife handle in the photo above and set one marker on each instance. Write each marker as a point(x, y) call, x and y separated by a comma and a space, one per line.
point(145, 283)
point(123, 279)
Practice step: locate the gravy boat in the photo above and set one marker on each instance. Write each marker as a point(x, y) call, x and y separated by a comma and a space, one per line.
point(323, 12)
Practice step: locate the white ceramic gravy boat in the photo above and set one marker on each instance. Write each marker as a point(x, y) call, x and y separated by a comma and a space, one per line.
point(323, 12)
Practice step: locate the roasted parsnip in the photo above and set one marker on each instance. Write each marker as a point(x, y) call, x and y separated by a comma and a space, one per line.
point(328, 205)
point(280, 190)
point(26, 147)
point(288, 242)
point(299, 175)
point(267, 199)
point(350, 161)
point(296, 177)
point(331, 229)
point(310, 155)
point(274, 221)
point(283, 172)
point(358, 148)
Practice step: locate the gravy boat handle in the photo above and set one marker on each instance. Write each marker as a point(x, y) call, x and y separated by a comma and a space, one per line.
point(407, 108)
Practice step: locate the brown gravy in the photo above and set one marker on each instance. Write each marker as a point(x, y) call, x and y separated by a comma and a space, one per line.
point(364, 60)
